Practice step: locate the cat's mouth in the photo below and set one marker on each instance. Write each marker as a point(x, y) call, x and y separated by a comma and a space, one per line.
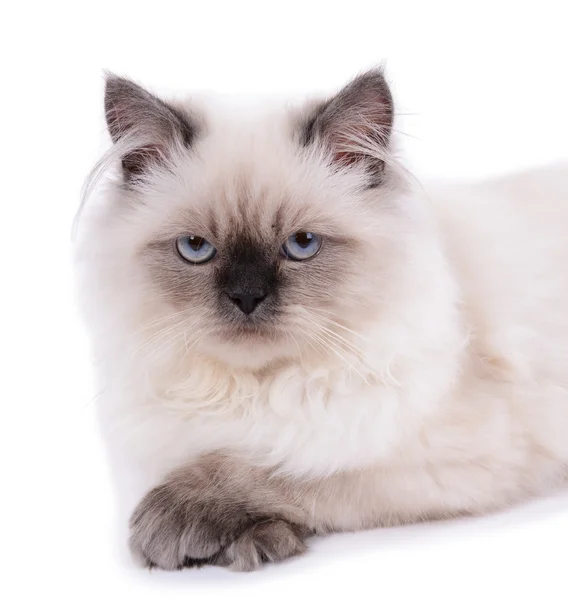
point(251, 329)
point(263, 329)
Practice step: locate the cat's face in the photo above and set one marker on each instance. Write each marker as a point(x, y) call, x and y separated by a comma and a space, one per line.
point(256, 242)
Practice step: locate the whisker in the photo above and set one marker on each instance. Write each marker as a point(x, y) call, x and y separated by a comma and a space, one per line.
point(331, 336)
point(337, 351)
point(350, 345)
point(336, 324)
point(167, 345)
point(163, 332)
point(168, 317)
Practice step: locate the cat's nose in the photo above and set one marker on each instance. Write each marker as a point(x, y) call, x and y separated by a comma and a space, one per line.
point(247, 302)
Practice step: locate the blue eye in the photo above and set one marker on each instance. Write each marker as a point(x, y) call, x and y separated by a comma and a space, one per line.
point(195, 249)
point(301, 245)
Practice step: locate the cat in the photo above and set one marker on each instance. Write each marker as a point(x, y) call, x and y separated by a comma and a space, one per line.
point(293, 337)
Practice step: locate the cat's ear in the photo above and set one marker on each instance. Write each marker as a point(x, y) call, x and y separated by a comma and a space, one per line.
point(134, 114)
point(355, 125)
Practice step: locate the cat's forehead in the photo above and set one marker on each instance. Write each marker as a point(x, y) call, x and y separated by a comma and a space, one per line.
point(245, 210)
point(256, 194)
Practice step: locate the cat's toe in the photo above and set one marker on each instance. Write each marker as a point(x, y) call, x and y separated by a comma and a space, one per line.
point(170, 534)
point(265, 541)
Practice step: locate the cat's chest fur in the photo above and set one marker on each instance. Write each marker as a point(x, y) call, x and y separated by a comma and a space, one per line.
point(302, 421)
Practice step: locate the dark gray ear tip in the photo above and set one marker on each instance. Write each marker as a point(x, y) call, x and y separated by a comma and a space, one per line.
point(374, 78)
point(111, 79)
point(113, 87)
point(119, 94)
point(108, 75)
point(377, 72)
point(374, 85)
point(116, 84)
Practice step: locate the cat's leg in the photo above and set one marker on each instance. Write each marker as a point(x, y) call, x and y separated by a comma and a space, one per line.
point(218, 511)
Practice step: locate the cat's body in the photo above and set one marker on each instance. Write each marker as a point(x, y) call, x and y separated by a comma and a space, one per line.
point(422, 367)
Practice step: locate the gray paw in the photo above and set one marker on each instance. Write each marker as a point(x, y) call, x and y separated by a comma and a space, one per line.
point(172, 529)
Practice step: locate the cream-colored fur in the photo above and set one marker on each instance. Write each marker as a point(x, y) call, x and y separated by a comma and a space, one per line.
point(436, 385)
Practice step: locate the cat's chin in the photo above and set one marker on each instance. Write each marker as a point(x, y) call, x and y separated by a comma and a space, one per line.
point(248, 354)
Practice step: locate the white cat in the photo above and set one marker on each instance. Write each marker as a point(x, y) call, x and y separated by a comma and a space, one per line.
point(294, 337)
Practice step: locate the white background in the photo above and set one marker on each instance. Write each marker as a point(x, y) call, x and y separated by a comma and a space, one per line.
point(483, 89)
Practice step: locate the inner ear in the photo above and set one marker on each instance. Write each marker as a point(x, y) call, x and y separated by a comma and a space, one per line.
point(355, 125)
point(155, 126)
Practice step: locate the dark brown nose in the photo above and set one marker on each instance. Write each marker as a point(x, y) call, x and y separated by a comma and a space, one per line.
point(247, 302)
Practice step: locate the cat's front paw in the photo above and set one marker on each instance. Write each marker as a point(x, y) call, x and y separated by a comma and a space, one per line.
point(172, 529)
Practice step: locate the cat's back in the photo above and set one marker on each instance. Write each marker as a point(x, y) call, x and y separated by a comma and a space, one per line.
point(507, 242)
point(517, 222)
point(540, 193)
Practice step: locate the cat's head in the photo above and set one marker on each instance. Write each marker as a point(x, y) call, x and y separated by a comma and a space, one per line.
point(256, 236)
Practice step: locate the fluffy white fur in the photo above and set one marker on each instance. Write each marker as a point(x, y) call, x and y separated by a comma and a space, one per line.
point(454, 389)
